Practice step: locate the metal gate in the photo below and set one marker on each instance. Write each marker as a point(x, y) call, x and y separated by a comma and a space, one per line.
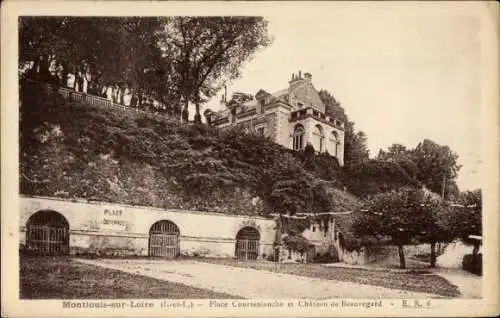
point(247, 244)
point(46, 240)
point(47, 233)
point(164, 240)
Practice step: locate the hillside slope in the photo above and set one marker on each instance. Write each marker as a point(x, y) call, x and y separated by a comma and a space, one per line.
point(74, 150)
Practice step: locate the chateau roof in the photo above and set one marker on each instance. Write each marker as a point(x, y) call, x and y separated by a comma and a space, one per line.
point(299, 88)
point(280, 93)
point(306, 92)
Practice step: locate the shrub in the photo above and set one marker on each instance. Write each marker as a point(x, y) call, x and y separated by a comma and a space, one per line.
point(297, 243)
point(473, 263)
point(270, 258)
point(324, 258)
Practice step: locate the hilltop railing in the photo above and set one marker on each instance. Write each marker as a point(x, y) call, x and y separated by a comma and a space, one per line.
point(72, 95)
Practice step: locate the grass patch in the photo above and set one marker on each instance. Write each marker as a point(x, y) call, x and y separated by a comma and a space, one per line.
point(63, 278)
point(412, 281)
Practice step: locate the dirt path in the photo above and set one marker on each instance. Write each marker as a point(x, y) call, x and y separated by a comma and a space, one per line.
point(470, 285)
point(250, 283)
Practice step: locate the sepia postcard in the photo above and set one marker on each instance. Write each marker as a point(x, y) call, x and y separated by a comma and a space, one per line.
point(243, 159)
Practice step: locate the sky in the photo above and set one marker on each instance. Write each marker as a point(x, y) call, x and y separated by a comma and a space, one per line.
point(401, 73)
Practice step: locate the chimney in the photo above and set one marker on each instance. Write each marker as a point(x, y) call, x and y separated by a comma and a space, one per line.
point(300, 75)
point(308, 76)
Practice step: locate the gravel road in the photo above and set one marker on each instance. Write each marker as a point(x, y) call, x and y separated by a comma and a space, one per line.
point(250, 283)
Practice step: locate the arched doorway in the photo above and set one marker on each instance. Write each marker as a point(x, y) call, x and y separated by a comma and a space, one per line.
point(164, 240)
point(247, 243)
point(47, 233)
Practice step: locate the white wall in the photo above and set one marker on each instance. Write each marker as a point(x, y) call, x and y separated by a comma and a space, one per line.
point(211, 233)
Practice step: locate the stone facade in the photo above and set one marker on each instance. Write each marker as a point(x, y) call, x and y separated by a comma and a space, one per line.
point(323, 239)
point(117, 229)
point(292, 117)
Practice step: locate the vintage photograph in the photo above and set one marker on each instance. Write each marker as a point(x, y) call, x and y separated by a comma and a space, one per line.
point(258, 157)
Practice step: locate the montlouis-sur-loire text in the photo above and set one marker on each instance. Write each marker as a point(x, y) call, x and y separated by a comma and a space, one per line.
point(132, 304)
point(108, 304)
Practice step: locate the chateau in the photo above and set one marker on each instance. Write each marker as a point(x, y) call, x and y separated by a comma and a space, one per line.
point(292, 117)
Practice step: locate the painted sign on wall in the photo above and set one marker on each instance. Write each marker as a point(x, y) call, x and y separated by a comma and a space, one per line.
point(114, 219)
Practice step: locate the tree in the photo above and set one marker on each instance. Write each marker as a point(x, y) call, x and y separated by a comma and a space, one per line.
point(291, 196)
point(121, 49)
point(465, 217)
point(435, 223)
point(376, 176)
point(393, 153)
point(40, 40)
point(402, 156)
point(398, 215)
point(332, 106)
point(437, 166)
point(208, 51)
point(355, 148)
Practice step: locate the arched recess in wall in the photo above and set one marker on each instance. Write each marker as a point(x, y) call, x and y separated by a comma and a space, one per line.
point(247, 243)
point(47, 233)
point(298, 137)
point(318, 138)
point(164, 240)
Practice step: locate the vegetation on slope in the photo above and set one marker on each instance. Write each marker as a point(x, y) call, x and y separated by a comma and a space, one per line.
point(74, 150)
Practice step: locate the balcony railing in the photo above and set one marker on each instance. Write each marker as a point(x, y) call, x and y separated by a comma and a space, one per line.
point(310, 112)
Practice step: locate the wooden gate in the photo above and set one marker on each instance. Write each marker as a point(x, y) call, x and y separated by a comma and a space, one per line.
point(164, 240)
point(247, 243)
point(47, 233)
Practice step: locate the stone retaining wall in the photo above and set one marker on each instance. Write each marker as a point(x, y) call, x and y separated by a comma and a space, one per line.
point(118, 229)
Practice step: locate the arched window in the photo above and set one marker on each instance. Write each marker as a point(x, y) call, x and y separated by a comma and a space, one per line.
point(298, 137)
point(319, 138)
point(335, 140)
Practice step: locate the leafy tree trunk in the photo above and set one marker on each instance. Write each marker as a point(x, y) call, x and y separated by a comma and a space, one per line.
point(44, 68)
point(197, 116)
point(402, 262)
point(64, 74)
point(433, 254)
point(185, 111)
